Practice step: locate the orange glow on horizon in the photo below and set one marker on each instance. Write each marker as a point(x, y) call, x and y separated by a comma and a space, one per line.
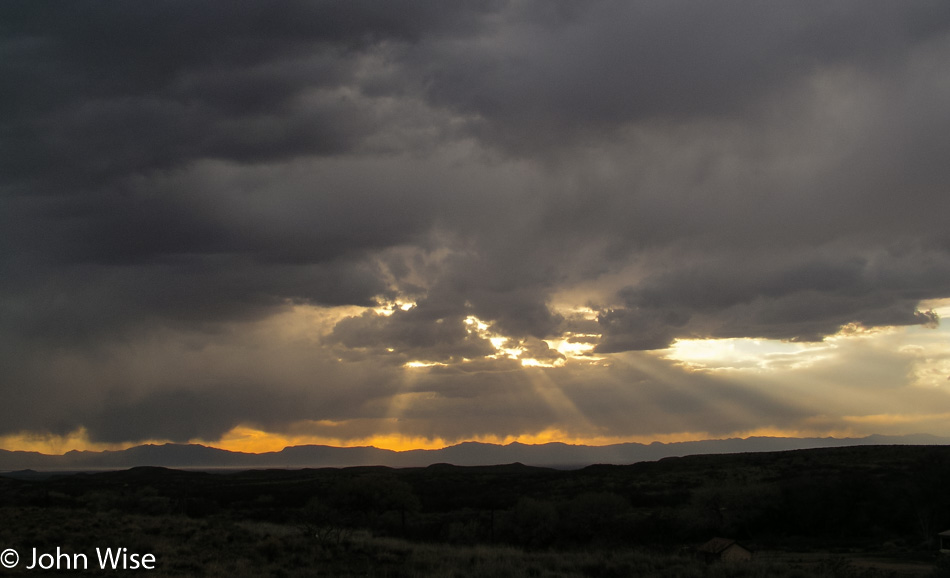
point(46, 443)
point(250, 440)
point(398, 442)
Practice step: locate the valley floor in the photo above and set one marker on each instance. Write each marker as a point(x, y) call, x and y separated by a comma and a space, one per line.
point(216, 546)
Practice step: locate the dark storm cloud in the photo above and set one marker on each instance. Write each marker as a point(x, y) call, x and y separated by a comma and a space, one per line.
point(109, 111)
point(99, 91)
point(102, 302)
point(777, 296)
point(573, 70)
point(504, 284)
point(719, 169)
point(178, 385)
point(637, 329)
point(414, 334)
point(435, 328)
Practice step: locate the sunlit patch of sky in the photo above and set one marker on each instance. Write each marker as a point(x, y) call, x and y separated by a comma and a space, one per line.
point(930, 349)
point(744, 354)
point(387, 308)
point(930, 346)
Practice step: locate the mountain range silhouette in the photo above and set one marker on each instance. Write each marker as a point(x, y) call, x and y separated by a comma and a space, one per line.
point(555, 454)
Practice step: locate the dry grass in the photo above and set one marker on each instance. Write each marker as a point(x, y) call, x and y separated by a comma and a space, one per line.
point(220, 547)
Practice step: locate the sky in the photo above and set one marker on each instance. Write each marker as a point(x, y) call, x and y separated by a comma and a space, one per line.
point(414, 223)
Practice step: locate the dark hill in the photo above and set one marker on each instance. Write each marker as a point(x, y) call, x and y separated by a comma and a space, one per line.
point(847, 497)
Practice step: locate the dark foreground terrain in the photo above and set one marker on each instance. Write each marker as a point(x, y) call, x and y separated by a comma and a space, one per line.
point(863, 511)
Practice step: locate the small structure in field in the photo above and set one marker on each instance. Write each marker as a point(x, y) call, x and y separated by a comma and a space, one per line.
point(724, 550)
point(944, 539)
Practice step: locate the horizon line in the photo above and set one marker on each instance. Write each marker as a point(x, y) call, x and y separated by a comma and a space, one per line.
point(478, 442)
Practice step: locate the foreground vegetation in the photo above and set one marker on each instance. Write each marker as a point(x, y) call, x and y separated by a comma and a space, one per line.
point(217, 547)
point(837, 512)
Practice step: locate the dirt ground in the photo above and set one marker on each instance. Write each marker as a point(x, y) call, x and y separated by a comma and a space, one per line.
point(895, 564)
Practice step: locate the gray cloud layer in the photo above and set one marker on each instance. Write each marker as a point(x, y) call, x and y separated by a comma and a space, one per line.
point(733, 168)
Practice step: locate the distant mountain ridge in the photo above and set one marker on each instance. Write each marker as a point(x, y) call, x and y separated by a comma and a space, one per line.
point(553, 454)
